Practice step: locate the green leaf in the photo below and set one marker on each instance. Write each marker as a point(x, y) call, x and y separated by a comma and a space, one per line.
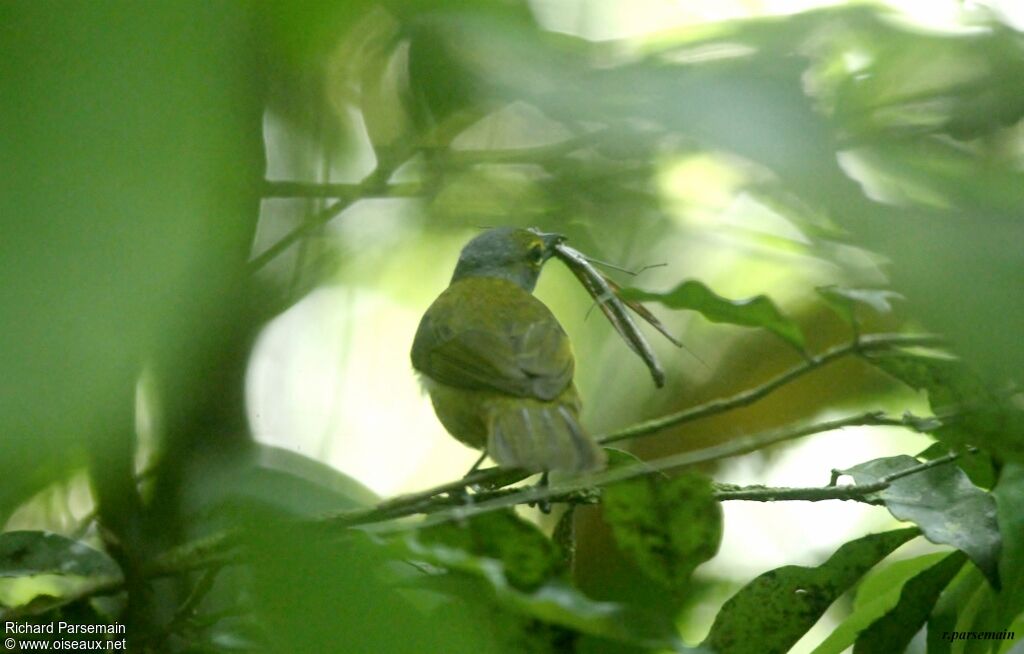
point(555, 602)
point(954, 607)
point(976, 464)
point(1009, 495)
point(758, 311)
point(668, 527)
point(772, 612)
point(27, 553)
point(894, 631)
point(876, 596)
point(1016, 627)
point(982, 615)
point(943, 502)
point(987, 420)
point(844, 301)
point(527, 557)
point(274, 477)
point(352, 600)
point(947, 380)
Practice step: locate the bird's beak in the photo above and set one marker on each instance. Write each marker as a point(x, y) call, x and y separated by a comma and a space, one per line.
point(550, 240)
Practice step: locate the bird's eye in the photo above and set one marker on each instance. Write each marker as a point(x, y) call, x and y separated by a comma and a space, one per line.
point(537, 254)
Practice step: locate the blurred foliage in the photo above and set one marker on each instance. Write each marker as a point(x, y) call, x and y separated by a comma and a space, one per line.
point(176, 175)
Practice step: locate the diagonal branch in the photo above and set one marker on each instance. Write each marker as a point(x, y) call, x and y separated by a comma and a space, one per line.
point(374, 185)
point(859, 346)
point(440, 508)
point(350, 192)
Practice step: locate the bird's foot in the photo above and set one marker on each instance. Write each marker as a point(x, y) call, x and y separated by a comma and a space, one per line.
point(543, 505)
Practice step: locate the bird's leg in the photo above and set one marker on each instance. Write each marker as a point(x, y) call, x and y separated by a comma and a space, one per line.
point(544, 506)
point(461, 494)
point(476, 466)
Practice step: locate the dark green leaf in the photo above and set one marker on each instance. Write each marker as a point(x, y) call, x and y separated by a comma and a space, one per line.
point(893, 631)
point(555, 602)
point(352, 599)
point(876, 596)
point(278, 478)
point(977, 465)
point(26, 553)
point(668, 527)
point(987, 419)
point(771, 613)
point(1009, 494)
point(943, 502)
point(758, 311)
point(844, 301)
point(528, 558)
point(473, 598)
point(949, 383)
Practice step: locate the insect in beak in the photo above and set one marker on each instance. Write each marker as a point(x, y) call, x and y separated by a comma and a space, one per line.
point(605, 293)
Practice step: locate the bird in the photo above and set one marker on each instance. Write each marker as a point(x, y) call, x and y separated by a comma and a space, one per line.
point(496, 363)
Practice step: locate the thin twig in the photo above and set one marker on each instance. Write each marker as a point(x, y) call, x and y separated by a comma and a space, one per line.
point(373, 185)
point(539, 154)
point(863, 344)
point(290, 189)
point(187, 610)
point(307, 226)
point(810, 494)
point(858, 492)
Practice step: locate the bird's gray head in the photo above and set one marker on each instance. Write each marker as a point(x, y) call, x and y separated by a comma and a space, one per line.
point(508, 253)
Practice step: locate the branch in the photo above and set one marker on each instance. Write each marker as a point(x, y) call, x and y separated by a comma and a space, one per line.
point(858, 492)
point(351, 192)
point(187, 611)
point(442, 509)
point(811, 494)
point(373, 185)
point(538, 154)
point(859, 346)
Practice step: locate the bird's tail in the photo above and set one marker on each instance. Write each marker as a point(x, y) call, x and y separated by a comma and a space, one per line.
point(540, 436)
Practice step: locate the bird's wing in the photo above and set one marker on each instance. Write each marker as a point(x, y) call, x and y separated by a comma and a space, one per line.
point(526, 360)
